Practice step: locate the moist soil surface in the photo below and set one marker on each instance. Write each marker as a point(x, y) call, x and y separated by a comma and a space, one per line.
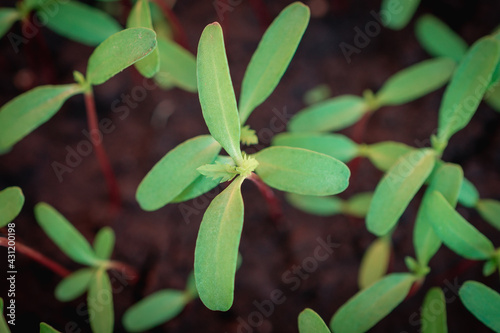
point(160, 244)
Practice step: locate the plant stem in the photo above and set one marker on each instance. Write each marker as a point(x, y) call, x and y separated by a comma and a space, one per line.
point(102, 157)
point(272, 201)
point(38, 257)
point(128, 270)
point(179, 33)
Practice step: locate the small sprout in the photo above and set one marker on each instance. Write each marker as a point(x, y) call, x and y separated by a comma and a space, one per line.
point(248, 136)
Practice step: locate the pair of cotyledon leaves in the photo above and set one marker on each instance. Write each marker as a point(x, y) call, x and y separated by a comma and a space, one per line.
point(4, 327)
point(176, 177)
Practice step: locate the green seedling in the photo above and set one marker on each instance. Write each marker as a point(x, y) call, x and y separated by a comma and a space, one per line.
point(483, 302)
point(92, 279)
point(396, 14)
point(311, 322)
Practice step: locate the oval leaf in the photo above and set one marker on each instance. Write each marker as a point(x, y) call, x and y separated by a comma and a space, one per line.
point(11, 203)
point(100, 303)
point(104, 243)
point(81, 22)
point(383, 155)
point(434, 312)
point(375, 262)
point(26, 112)
point(311, 322)
point(458, 234)
point(302, 171)
point(331, 115)
point(7, 18)
point(468, 196)
point(483, 302)
point(358, 204)
point(176, 171)
point(334, 145)
point(216, 93)
point(490, 211)
point(74, 285)
point(271, 59)
point(396, 189)
point(438, 39)
point(118, 52)
point(154, 310)
point(322, 206)
point(398, 13)
point(372, 304)
point(416, 81)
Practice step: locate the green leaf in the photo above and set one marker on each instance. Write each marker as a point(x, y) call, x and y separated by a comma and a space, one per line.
point(74, 285)
point(7, 18)
point(222, 172)
point(175, 172)
point(45, 328)
point(358, 204)
point(100, 303)
point(271, 59)
point(438, 39)
point(467, 87)
point(200, 186)
point(177, 65)
point(331, 115)
point(216, 93)
point(154, 310)
point(396, 189)
point(216, 252)
point(468, 196)
point(492, 97)
point(375, 262)
point(302, 171)
point(483, 302)
point(447, 181)
point(104, 243)
point(4, 328)
point(334, 145)
point(383, 155)
point(458, 234)
point(81, 22)
point(490, 211)
point(118, 52)
point(434, 312)
point(322, 206)
point(11, 203)
point(317, 94)
point(398, 13)
point(140, 17)
point(64, 235)
point(372, 304)
point(311, 322)
point(416, 81)
point(26, 112)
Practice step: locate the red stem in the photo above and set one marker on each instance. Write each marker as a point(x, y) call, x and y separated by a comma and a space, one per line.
point(272, 201)
point(38, 257)
point(102, 157)
point(125, 269)
point(179, 33)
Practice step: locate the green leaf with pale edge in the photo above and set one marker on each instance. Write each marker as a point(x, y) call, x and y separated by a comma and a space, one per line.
point(177, 65)
point(154, 310)
point(74, 285)
point(45, 328)
point(216, 93)
point(4, 328)
point(416, 81)
point(334, 145)
point(310, 322)
point(11, 203)
point(447, 181)
point(198, 187)
point(7, 18)
point(64, 235)
point(458, 234)
point(81, 22)
point(467, 87)
point(331, 115)
point(20, 116)
point(140, 17)
point(398, 13)
point(438, 39)
point(434, 312)
point(302, 171)
point(490, 211)
point(383, 155)
point(358, 204)
point(370, 305)
point(468, 196)
point(176, 171)
point(322, 206)
point(375, 262)
point(118, 52)
point(104, 243)
point(216, 253)
point(100, 303)
point(483, 302)
point(271, 59)
point(397, 188)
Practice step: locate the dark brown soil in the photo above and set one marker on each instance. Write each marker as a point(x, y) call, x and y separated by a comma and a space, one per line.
point(161, 244)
